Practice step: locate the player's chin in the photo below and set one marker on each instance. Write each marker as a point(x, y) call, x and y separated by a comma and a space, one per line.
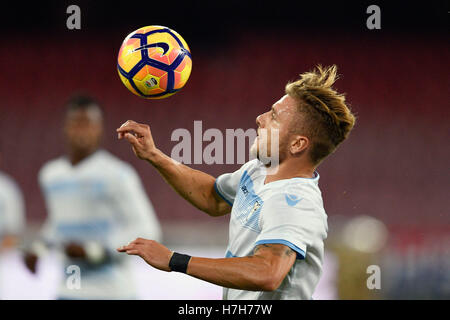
point(82, 144)
point(254, 154)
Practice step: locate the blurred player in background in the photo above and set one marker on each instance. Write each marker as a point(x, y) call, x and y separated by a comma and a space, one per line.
point(12, 212)
point(278, 223)
point(95, 202)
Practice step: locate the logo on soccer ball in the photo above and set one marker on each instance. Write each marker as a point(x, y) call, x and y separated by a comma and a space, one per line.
point(161, 45)
point(151, 82)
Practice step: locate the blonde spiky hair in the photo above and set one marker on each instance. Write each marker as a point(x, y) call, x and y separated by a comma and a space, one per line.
point(327, 118)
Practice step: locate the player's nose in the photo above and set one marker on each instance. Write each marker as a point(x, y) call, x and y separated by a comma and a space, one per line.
point(259, 121)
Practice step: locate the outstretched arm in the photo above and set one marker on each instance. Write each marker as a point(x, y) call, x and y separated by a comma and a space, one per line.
point(262, 271)
point(195, 186)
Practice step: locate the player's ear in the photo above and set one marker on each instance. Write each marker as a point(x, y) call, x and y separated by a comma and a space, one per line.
point(298, 145)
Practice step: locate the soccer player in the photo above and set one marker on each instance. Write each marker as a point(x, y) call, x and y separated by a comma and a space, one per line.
point(12, 216)
point(95, 202)
point(12, 212)
point(278, 223)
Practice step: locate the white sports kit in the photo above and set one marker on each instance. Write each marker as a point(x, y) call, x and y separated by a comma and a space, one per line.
point(100, 200)
point(288, 212)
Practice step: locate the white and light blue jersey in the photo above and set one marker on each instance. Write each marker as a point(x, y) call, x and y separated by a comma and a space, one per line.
point(12, 207)
point(289, 212)
point(99, 200)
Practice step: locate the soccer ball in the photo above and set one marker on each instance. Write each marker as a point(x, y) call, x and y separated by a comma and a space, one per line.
point(154, 62)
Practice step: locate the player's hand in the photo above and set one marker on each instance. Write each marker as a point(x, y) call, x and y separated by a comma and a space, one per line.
point(74, 250)
point(30, 260)
point(154, 253)
point(140, 138)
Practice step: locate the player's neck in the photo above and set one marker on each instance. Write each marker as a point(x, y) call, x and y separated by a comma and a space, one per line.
point(76, 156)
point(290, 168)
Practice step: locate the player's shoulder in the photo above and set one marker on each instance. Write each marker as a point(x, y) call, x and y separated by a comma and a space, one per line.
point(113, 164)
point(252, 167)
point(254, 164)
point(52, 167)
point(8, 184)
point(247, 168)
point(104, 157)
point(298, 193)
point(5, 178)
point(308, 187)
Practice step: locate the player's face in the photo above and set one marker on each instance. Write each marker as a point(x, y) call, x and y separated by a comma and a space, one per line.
point(273, 129)
point(83, 130)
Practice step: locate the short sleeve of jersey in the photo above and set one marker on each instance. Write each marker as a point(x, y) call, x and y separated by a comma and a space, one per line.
point(294, 222)
point(226, 185)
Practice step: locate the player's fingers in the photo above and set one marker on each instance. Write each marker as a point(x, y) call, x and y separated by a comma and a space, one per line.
point(132, 139)
point(120, 134)
point(131, 125)
point(133, 247)
point(127, 123)
point(128, 126)
point(133, 252)
point(122, 249)
point(127, 247)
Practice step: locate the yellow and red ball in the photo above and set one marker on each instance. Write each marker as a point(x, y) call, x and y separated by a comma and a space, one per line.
point(154, 62)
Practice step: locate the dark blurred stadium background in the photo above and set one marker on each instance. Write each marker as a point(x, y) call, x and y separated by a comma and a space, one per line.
point(394, 167)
